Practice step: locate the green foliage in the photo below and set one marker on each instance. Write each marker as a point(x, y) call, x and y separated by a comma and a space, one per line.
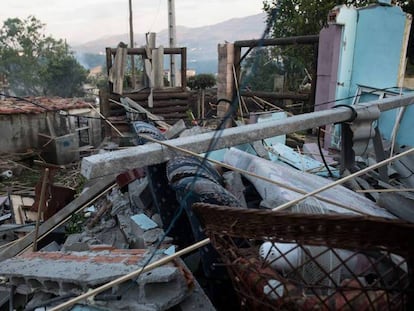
point(260, 69)
point(307, 17)
point(75, 224)
point(201, 81)
point(36, 64)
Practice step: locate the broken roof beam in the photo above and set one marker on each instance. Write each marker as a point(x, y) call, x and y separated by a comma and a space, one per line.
point(312, 39)
point(122, 160)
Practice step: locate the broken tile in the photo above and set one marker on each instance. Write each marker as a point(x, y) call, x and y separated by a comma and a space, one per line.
point(144, 222)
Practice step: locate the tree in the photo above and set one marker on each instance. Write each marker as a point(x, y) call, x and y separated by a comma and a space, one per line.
point(36, 64)
point(201, 81)
point(260, 70)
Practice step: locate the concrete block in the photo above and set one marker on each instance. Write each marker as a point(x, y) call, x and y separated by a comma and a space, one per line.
point(176, 129)
point(71, 272)
point(51, 247)
point(111, 235)
point(157, 219)
point(119, 201)
point(152, 236)
point(75, 242)
point(132, 232)
point(139, 194)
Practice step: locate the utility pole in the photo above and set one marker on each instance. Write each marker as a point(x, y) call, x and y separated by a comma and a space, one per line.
point(172, 38)
point(131, 45)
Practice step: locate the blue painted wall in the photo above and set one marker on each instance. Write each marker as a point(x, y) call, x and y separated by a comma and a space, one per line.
point(372, 50)
point(378, 47)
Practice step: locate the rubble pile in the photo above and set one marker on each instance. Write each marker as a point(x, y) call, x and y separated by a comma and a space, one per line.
point(121, 224)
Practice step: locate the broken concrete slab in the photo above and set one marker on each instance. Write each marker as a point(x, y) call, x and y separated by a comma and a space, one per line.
point(153, 235)
point(176, 129)
point(132, 232)
point(75, 243)
point(61, 274)
point(139, 194)
point(70, 272)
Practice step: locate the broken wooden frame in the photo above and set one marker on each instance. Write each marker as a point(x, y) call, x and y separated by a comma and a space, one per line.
point(182, 51)
point(167, 102)
point(298, 40)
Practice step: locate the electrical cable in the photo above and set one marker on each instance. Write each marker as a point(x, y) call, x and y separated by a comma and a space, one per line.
point(230, 112)
point(321, 153)
point(156, 16)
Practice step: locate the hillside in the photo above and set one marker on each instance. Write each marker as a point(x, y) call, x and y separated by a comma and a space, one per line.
point(201, 42)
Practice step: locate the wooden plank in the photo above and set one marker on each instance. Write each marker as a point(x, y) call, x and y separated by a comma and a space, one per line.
point(99, 187)
point(141, 51)
point(116, 73)
point(156, 119)
point(166, 94)
point(166, 110)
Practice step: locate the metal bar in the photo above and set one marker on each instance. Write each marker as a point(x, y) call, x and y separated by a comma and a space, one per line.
point(273, 95)
point(141, 51)
point(277, 41)
point(118, 161)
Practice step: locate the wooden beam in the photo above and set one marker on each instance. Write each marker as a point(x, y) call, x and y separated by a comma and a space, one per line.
point(273, 95)
point(141, 51)
point(277, 41)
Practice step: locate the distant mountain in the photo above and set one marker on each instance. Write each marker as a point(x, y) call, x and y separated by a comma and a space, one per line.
point(201, 42)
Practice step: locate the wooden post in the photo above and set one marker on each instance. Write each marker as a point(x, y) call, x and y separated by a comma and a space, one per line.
point(184, 69)
point(131, 45)
point(40, 206)
point(108, 67)
point(158, 67)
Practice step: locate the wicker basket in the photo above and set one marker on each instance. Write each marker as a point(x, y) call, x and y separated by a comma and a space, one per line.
point(290, 261)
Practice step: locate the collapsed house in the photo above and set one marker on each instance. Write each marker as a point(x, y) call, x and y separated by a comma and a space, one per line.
point(196, 219)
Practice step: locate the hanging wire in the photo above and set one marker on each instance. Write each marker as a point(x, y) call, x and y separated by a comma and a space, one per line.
point(228, 116)
point(156, 16)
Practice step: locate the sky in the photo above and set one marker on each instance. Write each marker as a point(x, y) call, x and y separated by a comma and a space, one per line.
point(81, 21)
